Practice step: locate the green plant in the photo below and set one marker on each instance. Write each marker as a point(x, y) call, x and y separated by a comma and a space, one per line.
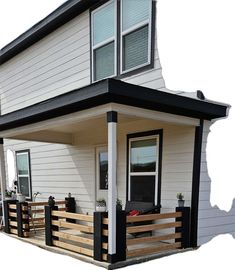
point(9, 193)
point(180, 196)
point(101, 202)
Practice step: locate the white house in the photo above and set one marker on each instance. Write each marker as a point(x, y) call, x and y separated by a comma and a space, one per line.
point(84, 108)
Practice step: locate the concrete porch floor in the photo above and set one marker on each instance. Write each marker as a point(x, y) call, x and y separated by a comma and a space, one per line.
point(38, 239)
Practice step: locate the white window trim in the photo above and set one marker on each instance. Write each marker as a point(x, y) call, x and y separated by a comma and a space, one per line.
point(132, 29)
point(105, 42)
point(21, 153)
point(156, 173)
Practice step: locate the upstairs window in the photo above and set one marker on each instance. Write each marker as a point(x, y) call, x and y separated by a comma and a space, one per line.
point(135, 33)
point(104, 41)
point(121, 37)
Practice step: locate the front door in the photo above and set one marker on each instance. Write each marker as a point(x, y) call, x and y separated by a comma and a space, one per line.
point(102, 173)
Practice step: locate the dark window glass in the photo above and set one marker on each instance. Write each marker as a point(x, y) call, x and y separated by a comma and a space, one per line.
point(103, 165)
point(135, 48)
point(143, 188)
point(24, 185)
point(104, 61)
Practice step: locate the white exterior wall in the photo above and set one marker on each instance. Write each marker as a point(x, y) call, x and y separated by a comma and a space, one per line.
point(211, 220)
point(58, 64)
point(59, 169)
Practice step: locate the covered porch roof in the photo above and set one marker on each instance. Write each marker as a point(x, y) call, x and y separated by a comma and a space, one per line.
point(130, 101)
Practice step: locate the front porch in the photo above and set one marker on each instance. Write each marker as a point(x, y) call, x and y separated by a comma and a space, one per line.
point(87, 237)
point(153, 146)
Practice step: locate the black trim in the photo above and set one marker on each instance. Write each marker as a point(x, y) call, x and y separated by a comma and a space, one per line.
point(196, 183)
point(185, 228)
point(49, 228)
point(63, 14)
point(30, 173)
point(111, 90)
point(1, 141)
point(112, 117)
point(99, 238)
point(157, 132)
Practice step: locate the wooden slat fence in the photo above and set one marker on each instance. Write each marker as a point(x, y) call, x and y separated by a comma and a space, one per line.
point(138, 244)
point(76, 237)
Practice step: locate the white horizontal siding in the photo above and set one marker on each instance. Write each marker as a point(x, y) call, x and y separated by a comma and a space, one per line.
point(57, 64)
point(211, 220)
point(60, 169)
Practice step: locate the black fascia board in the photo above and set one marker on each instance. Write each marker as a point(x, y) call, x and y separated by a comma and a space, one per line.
point(157, 100)
point(111, 90)
point(63, 14)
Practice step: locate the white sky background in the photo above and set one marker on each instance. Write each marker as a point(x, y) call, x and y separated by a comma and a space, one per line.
point(196, 41)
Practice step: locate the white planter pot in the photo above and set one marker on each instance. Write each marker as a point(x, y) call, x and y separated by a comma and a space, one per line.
point(100, 208)
point(20, 198)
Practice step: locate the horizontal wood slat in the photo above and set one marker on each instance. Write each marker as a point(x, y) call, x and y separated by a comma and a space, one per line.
point(152, 227)
point(150, 250)
point(37, 211)
point(44, 203)
point(12, 206)
point(68, 225)
point(105, 221)
point(37, 226)
point(105, 246)
point(149, 239)
point(153, 217)
point(75, 238)
point(14, 231)
point(105, 232)
point(13, 223)
point(11, 214)
point(72, 216)
point(73, 248)
point(37, 219)
point(105, 257)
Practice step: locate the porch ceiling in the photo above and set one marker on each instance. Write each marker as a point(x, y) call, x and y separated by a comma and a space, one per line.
point(64, 129)
point(56, 119)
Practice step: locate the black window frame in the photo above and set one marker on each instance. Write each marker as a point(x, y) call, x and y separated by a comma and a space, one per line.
point(159, 133)
point(119, 74)
point(30, 173)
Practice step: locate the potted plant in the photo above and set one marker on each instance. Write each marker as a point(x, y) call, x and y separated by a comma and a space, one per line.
point(119, 205)
point(100, 205)
point(180, 198)
point(8, 194)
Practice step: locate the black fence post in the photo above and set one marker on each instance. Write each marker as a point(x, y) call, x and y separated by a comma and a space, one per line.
point(185, 229)
point(19, 219)
point(99, 238)
point(70, 205)
point(121, 237)
point(22, 218)
point(49, 228)
point(7, 227)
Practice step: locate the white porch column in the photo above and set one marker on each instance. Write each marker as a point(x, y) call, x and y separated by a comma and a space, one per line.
point(112, 180)
point(2, 173)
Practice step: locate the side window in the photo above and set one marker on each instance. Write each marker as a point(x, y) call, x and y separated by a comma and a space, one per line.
point(135, 33)
point(24, 173)
point(104, 41)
